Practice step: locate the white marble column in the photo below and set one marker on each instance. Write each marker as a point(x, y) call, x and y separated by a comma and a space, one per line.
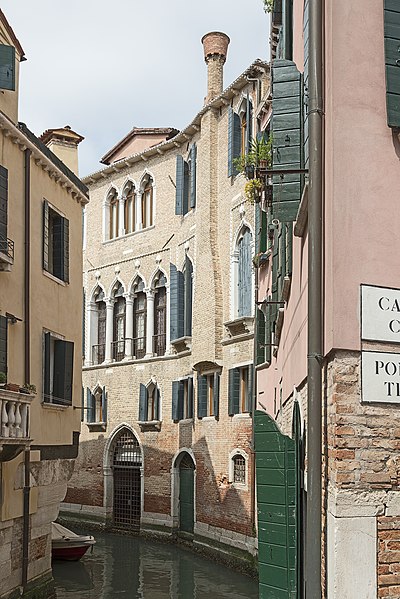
point(91, 332)
point(109, 328)
point(121, 216)
point(128, 326)
point(138, 211)
point(149, 322)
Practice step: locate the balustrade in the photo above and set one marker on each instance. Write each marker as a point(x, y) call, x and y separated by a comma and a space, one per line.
point(14, 415)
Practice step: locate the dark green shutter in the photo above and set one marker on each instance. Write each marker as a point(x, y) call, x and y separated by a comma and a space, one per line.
point(63, 371)
point(392, 61)
point(46, 382)
point(58, 245)
point(7, 67)
point(245, 275)
point(287, 138)
point(142, 403)
point(46, 235)
point(275, 272)
point(186, 191)
point(104, 404)
point(282, 258)
point(190, 397)
point(175, 400)
point(3, 344)
point(216, 394)
point(3, 207)
point(177, 307)
point(234, 139)
point(248, 123)
point(249, 398)
point(157, 406)
point(179, 184)
point(289, 249)
point(188, 297)
point(287, 29)
point(193, 166)
point(201, 396)
point(65, 243)
point(233, 391)
point(261, 335)
point(263, 233)
point(305, 84)
point(90, 406)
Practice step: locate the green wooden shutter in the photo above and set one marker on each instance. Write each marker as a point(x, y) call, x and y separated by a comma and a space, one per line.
point(392, 61)
point(58, 245)
point(3, 344)
point(65, 245)
point(190, 397)
point(289, 249)
point(90, 406)
point(7, 67)
point(46, 382)
point(305, 83)
point(63, 371)
point(263, 232)
point(233, 391)
point(275, 272)
point(260, 336)
point(201, 396)
point(142, 403)
point(175, 401)
point(245, 275)
point(186, 191)
point(3, 206)
point(177, 303)
point(193, 166)
point(249, 398)
point(216, 394)
point(46, 235)
point(287, 136)
point(188, 297)
point(287, 29)
point(180, 174)
point(157, 406)
point(282, 259)
point(104, 404)
point(233, 141)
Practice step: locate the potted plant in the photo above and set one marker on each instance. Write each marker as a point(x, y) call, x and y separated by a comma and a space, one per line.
point(28, 388)
point(268, 5)
point(253, 189)
point(258, 156)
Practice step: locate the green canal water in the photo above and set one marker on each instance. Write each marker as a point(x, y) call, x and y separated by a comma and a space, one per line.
point(131, 567)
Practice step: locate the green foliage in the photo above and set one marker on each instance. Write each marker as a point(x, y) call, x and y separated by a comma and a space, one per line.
point(3, 377)
point(260, 149)
point(268, 5)
point(252, 190)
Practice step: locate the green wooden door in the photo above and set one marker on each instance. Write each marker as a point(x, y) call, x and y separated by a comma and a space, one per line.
point(278, 487)
point(186, 495)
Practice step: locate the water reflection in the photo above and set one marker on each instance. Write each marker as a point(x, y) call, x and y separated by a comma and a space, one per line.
point(122, 566)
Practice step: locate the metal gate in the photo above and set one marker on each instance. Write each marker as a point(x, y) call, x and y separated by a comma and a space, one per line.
point(278, 470)
point(127, 461)
point(186, 494)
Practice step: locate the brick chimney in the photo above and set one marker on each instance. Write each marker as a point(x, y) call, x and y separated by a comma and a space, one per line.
point(215, 46)
point(64, 143)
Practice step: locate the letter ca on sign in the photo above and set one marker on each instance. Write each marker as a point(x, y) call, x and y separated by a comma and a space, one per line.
point(380, 314)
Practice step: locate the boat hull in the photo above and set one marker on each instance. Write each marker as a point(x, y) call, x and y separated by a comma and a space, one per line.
point(72, 554)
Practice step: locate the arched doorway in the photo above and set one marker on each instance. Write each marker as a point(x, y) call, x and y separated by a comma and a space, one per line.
point(126, 465)
point(186, 494)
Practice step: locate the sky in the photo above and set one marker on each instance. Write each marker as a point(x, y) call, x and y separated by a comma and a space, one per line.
point(105, 67)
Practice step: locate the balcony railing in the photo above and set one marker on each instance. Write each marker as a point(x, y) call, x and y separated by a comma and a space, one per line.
point(98, 353)
point(14, 423)
point(118, 350)
point(139, 347)
point(159, 343)
point(6, 253)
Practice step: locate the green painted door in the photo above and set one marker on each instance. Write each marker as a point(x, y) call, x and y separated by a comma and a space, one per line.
point(278, 493)
point(186, 495)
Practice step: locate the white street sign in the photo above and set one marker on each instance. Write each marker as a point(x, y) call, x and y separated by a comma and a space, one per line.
point(380, 314)
point(380, 377)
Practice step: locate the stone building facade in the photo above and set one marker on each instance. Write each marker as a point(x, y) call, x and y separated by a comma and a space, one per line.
point(41, 202)
point(168, 279)
point(360, 287)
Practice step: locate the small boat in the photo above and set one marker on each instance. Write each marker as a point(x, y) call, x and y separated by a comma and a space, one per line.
point(67, 545)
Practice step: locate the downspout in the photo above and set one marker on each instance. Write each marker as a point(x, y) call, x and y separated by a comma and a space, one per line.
point(254, 398)
point(315, 308)
point(27, 363)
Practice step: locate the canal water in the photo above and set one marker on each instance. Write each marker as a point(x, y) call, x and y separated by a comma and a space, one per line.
point(131, 567)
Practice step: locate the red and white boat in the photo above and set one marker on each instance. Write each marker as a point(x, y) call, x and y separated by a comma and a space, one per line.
point(68, 545)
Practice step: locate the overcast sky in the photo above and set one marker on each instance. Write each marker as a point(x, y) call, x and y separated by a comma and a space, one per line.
point(104, 67)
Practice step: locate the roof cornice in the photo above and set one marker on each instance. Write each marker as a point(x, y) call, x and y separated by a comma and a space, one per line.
point(17, 136)
point(257, 67)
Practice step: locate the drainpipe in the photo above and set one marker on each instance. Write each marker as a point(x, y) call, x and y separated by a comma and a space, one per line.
point(254, 402)
point(315, 307)
point(27, 362)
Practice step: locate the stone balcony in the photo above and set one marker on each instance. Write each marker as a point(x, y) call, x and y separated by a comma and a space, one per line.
point(14, 423)
point(6, 254)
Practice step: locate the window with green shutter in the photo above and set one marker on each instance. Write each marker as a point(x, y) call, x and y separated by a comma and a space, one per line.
point(55, 243)
point(185, 194)
point(240, 390)
point(182, 399)
point(392, 61)
point(7, 67)
point(208, 390)
point(287, 130)
point(58, 370)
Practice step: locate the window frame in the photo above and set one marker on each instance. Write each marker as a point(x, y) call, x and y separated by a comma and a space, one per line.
point(49, 340)
point(238, 453)
point(59, 269)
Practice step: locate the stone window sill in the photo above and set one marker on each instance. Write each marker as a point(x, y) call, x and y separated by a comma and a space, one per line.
point(96, 427)
point(149, 425)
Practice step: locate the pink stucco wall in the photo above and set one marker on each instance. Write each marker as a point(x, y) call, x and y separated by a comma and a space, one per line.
point(362, 179)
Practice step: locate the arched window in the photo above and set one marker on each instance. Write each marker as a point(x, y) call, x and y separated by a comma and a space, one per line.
point(129, 208)
point(238, 468)
point(149, 403)
point(118, 345)
point(126, 465)
point(139, 320)
point(160, 316)
point(96, 408)
point(147, 202)
point(98, 350)
point(113, 214)
point(244, 274)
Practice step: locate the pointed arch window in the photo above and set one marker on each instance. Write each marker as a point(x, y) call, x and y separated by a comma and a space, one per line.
point(160, 316)
point(129, 208)
point(147, 203)
point(118, 345)
point(113, 214)
point(139, 320)
point(149, 403)
point(244, 274)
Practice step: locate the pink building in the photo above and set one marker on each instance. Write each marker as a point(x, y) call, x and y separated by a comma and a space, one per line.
point(360, 357)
